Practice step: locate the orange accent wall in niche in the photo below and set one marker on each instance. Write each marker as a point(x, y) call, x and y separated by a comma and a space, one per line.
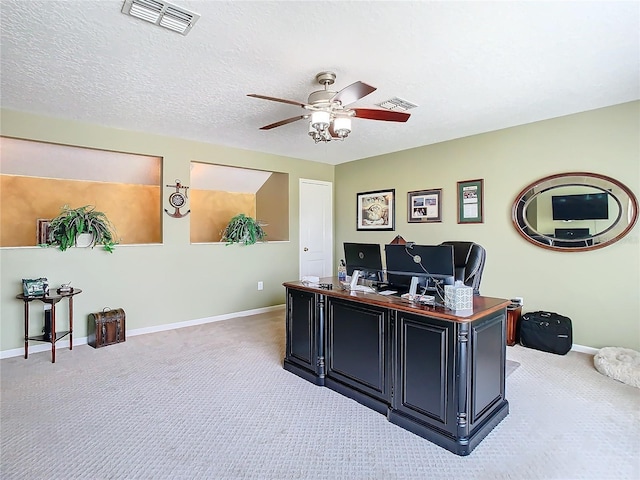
point(211, 211)
point(26, 199)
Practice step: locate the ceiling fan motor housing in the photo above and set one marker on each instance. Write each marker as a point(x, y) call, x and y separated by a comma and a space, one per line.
point(321, 98)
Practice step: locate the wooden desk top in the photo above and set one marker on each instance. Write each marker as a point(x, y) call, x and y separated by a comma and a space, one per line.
point(481, 305)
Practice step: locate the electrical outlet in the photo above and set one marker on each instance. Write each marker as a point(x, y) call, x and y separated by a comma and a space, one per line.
point(260, 285)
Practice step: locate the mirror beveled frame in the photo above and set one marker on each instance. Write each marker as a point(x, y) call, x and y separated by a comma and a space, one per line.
point(625, 220)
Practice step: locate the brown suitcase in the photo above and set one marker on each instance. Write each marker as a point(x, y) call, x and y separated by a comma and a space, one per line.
point(106, 328)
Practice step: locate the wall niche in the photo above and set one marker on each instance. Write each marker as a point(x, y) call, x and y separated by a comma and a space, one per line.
point(38, 178)
point(219, 192)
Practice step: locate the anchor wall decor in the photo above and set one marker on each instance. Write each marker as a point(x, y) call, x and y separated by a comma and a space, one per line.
point(178, 200)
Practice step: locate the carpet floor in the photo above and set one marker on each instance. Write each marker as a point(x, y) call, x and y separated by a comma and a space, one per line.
point(213, 402)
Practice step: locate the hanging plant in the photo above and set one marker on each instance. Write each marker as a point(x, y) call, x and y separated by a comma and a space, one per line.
point(65, 228)
point(244, 230)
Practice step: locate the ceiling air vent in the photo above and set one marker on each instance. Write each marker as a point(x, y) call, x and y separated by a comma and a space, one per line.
point(163, 14)
point(396, 103)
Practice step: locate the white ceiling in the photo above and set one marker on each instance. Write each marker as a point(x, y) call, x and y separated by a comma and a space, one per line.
point(472, 67)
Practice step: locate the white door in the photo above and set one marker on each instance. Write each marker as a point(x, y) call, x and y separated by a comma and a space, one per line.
point(316, 228)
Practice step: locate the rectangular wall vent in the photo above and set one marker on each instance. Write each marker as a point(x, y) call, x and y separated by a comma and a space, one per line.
point(396, 103)
point(163, 14)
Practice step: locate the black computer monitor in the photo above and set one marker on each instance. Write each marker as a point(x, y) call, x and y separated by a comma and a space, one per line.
point(432, 264)
point(365, 257)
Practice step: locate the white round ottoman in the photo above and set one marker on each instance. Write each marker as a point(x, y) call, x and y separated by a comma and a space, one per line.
point(622, 364)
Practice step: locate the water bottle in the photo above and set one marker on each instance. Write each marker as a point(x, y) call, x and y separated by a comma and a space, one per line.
point(342, 271)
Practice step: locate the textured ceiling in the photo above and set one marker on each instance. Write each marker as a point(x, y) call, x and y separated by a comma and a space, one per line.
point(472, 67)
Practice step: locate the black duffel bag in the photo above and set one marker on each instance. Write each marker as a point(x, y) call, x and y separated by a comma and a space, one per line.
point(546, 331)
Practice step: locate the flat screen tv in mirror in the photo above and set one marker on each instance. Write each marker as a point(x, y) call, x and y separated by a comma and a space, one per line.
point(589, 206)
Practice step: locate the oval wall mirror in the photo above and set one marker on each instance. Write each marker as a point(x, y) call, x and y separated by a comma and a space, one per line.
point(574, 211)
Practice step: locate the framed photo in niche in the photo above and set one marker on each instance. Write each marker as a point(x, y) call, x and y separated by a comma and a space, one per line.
point(376, 210)
point(42, 231)
point(471, 201)
point(424, 206)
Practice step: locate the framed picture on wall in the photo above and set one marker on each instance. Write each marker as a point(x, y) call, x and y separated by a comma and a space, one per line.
point(471, 201)
point(376, 210)
point(424, 206)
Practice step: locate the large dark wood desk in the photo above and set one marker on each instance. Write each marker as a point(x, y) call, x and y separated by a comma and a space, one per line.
point(436, 373)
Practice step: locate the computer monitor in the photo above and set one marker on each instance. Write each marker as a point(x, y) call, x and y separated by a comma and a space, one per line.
point(432, 264)
point(365, 257)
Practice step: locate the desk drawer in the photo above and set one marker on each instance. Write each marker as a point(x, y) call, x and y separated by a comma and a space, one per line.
point(106, 328)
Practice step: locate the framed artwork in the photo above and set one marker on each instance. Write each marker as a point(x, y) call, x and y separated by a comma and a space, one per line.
point(376, 210)
point(471, 201)
point(42, 231)
point(424, 206)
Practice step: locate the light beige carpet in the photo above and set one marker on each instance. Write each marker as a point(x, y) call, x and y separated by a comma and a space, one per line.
point(213, 402)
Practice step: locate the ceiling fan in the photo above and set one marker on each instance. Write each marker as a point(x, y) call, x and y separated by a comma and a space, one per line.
point(330, 116)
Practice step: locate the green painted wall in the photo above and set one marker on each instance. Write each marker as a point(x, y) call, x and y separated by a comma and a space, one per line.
point(155, 284)
point(599, 290)
point(177, 281)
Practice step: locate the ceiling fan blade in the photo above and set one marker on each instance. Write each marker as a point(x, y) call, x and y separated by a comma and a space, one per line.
point(353, 93)
point(386, 115)
point(284, 122)
point(274, 99)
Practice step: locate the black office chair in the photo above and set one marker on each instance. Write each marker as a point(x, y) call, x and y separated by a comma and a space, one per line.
point(468, 258)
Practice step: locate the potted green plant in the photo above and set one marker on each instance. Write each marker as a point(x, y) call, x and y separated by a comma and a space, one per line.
point(243, 229)
point(65, 229)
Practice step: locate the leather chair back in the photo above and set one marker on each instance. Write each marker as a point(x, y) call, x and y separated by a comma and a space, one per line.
point(469, 259)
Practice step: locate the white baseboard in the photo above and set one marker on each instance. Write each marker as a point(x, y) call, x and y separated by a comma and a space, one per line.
point(64, 343)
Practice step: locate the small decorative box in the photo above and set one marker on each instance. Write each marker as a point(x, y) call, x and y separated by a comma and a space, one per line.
point(458, 297)
point(106, 327)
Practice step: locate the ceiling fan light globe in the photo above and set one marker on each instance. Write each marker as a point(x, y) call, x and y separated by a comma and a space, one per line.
point(320, 120)
point(342, 127)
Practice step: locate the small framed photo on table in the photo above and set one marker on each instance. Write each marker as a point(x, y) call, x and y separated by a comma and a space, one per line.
point(376, 210)
point(424, 206)
point(471, 201)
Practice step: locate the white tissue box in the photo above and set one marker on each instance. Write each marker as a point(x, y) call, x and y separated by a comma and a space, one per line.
point(458, 297)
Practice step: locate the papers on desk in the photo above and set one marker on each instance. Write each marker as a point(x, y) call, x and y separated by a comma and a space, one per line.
point(362, 288)
point(424, 299)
